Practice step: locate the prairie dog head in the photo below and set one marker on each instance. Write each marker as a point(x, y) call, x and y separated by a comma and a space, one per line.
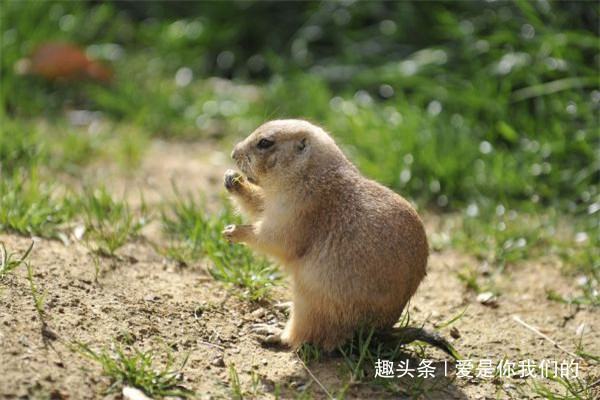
point(279, 152)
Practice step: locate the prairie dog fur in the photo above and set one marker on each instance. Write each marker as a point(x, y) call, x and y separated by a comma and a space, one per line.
point(355, 250)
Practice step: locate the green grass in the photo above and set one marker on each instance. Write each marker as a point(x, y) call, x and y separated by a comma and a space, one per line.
point(239, 393)
point(356, 353)
point(110, 224)
point(572, 389)
point(187, 225)
point(38, 298)
point(589, 296)
point(69, 144)
point(53, 144)
point(234, 380)
point(194, 233)
point(360, 354)
point(129, 366)
point(7, 263)
point(30, 206)
point(582, 352)
point(237, 265)
point(503, 238)
point(520, 124)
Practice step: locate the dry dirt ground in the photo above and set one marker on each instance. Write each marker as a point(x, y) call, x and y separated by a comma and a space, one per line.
point(162, 306)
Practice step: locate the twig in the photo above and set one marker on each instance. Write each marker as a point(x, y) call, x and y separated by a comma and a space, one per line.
point(212, 345)
point(314, 377)
point(594, 384)
point(554, 342)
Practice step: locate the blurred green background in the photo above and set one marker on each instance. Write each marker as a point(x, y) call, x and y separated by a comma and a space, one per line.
point(451, 103)
point(477, 107)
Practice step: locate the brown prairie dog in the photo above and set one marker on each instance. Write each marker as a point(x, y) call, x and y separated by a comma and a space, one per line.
point(355, 250)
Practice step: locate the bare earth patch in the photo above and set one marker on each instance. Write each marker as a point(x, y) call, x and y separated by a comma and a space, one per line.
point(160, 306)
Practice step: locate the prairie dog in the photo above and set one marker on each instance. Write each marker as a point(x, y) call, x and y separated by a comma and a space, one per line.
point(355, 250)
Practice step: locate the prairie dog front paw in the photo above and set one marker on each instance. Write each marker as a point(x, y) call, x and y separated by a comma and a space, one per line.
point(238, 233)
point(229, 233)
point(233, 180)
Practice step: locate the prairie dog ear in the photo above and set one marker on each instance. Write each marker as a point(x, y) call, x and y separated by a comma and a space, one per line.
point(301, 144)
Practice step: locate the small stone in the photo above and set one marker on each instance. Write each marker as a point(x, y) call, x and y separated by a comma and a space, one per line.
point(485, 269)
point(151, 297)
point(258, 313)
point(218, 362)
point(264, 361)
point(488, 299)
point(454, 332)
point(130, 393)
point(78, 232)
point(294, 384)
point(508, 387)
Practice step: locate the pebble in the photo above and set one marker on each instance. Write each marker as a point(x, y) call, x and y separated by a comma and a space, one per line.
point(258, 313)
point(130, 393)
point(488, 299)
point(218, 362)
point(151, 297)
point(581, 329)
point(454, 332)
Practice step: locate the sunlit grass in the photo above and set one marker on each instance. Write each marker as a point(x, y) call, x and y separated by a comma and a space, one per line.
point(38, 298)
point(571, 389)
point(7, 261)
point(129, 366)
point(502, 238)
point(109, 223)
point(194, 233)
point(360, 355)
point(31, 206)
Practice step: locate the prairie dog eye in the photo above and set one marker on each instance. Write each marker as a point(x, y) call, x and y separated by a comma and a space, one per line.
point(265, 144)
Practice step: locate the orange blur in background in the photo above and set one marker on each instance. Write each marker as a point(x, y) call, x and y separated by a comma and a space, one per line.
point(63, 61)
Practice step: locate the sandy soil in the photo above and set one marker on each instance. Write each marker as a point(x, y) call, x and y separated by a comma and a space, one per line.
point(162, 306)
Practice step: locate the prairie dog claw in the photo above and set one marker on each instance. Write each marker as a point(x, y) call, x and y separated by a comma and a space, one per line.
point(267, 334)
